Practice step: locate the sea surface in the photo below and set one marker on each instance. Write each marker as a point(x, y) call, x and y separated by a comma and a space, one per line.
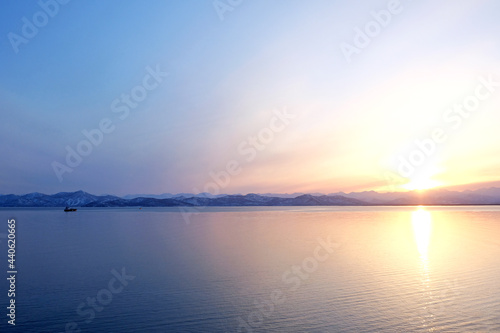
point(254, 269)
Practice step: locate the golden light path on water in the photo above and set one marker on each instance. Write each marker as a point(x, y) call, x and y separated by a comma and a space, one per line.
point(422, 230)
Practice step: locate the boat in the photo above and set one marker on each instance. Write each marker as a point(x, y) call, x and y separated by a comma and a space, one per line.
point(67, 209)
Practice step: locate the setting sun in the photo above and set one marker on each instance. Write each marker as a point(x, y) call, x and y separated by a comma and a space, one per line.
point(421, 184)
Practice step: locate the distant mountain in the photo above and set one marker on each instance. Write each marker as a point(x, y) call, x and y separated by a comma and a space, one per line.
point(286, 195)
point(61, 199)
point(489, 196)
point(154, 196)
point(170, 195)
point(491, 192)
point(83, 199)
point(137, 202)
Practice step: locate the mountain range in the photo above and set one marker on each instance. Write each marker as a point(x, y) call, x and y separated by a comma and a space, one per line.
point(487, 196)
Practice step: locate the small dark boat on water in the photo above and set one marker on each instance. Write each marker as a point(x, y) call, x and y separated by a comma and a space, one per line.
point(67, 209)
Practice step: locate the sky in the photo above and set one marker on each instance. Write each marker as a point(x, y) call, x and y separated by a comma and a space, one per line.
point(240, 96)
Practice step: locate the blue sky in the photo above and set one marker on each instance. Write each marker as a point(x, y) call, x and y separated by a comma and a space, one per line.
point(226, 79)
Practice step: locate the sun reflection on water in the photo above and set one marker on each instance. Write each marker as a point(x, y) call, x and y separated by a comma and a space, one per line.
point(422, 228)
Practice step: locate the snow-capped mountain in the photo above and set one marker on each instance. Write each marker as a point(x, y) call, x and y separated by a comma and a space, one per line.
point(489, 196)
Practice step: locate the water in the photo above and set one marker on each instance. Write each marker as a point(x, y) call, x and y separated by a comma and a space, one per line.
point(256, 269)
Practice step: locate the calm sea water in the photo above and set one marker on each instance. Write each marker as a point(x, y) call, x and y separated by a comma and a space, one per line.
point(297, 269)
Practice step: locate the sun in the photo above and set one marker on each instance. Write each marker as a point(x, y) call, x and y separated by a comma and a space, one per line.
point(423, 180)
point(420, 184)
